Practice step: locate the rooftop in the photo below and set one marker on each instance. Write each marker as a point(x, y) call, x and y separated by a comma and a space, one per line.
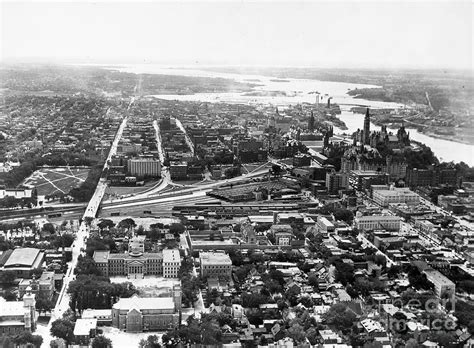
point(11, 308)
point(101, 256)
point(435, 276)
point(214, 258)
point(23, 257)
point(171, 255)
point(83, 327)
point(139, 303)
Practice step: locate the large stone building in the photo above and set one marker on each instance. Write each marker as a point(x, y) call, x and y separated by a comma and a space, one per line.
point(431, 177)
point(363, 179)
point(17, 316)
point(395, 195)
point(171, 263)
point(215, 264)
point(136, 263)
point(147, 314)
point(144, 167)
point(378, 222)
point(42, 287)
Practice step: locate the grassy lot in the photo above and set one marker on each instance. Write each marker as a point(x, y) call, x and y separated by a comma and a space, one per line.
point(57, 180)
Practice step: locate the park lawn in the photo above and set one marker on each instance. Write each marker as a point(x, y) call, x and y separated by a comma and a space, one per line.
point(56, 180)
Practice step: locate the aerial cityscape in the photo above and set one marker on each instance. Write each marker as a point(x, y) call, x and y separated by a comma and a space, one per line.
point(233, 175)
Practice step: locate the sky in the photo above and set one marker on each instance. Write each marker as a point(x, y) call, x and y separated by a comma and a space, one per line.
point(342, 34)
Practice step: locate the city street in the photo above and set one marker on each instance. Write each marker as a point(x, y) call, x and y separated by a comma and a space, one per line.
point(82, 234)
point(188, 139)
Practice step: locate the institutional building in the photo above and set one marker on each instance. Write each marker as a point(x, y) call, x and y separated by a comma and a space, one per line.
point(395, 195)
point(137, 263)
point(215, 264)
point(17, 316)
point(283, 234)
point(378, 222)
point(136, 314)
point(134, 265)
point(42, 287)
point(144, 167)
point(171, 263)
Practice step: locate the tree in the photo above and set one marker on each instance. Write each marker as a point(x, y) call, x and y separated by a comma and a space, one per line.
point(150, 342)
point(443, 338)
point(127, 223)
point(276, 169)
point(27, 337)
point(344, 272)
point(344, 215)
point(63, 328)
point(176, 229)
point(9, 295)
point(140, 230)
point(105, 224)
point(89, 291)
point(339, 316)
point(86, 265)
point(44, 305)
point(101, 342)
point(49, 228)
point(313, 279)
point(64, 240)
point(7, 277)
point(296, 332)
point(57, 343)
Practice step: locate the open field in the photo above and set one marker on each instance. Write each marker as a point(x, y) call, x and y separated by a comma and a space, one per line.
point(150, 286)
point(56, 180)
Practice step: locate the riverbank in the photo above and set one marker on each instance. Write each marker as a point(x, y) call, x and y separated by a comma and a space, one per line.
point(381, 117)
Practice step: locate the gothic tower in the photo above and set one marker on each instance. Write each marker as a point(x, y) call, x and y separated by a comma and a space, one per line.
point(311, 122)
point(367, 128)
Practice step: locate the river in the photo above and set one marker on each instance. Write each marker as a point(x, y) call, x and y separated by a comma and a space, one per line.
point(299, 91)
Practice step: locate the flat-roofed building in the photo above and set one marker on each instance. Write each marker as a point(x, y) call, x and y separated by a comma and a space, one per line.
point(378, 222)
point(103, 316)
point(395, 195)
point(324, 226)
point(178, 170)
point(363, 179)
point(171, 263)
point(84, 330)
point(22, 261)
point(215, 264)
point(444, 288)
point(133, 265)
point(144, 167)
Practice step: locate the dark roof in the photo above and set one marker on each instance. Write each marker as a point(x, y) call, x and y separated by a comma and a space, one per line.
point(5, 256)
